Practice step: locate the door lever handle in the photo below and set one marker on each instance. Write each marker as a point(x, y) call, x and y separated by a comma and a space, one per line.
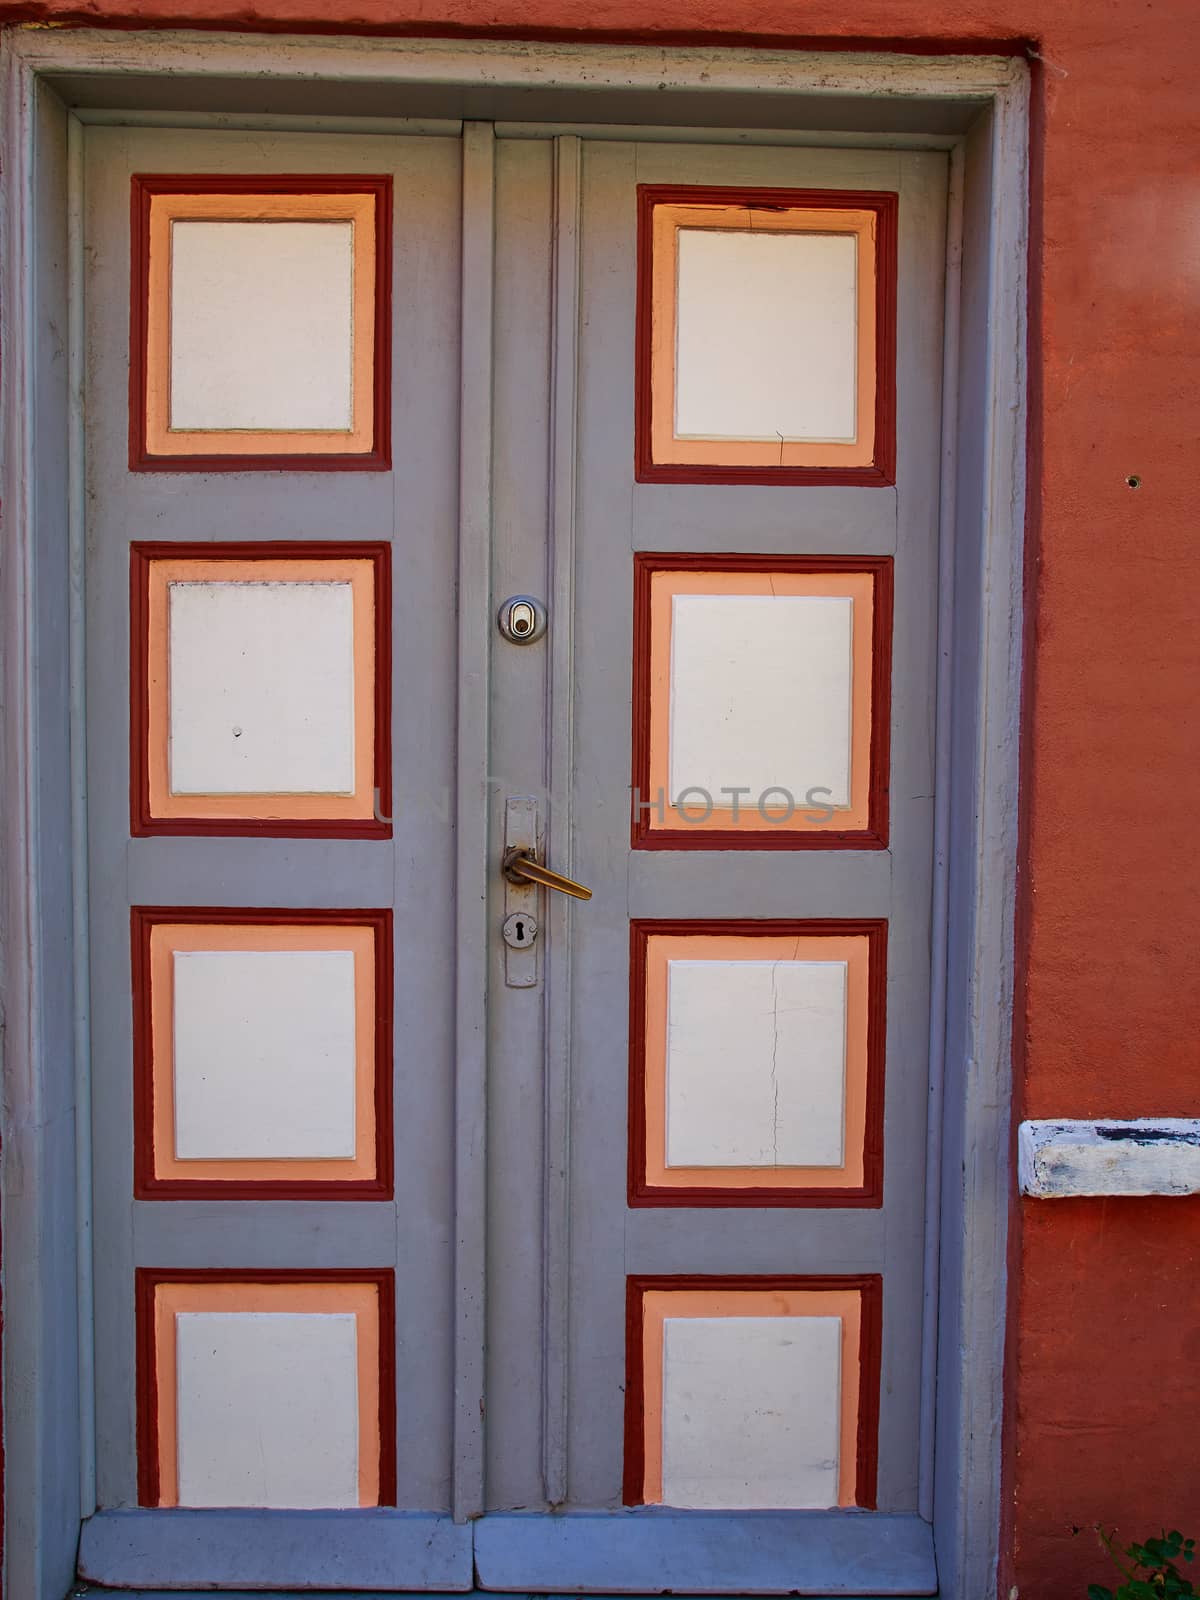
point(519, 866)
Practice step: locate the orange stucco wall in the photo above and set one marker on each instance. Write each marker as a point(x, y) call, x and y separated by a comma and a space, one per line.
point(1105, 1349)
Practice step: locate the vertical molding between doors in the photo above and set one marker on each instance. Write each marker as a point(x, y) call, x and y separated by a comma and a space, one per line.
point(564, 391)
point(471, 859)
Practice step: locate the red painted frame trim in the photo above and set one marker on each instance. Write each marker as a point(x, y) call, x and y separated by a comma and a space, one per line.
point(143, 187)
point(141, 822)
point(870, 1354)
point(146, 1185)
point(870, 1193)
point(147, 1279)
point(875, 835)
point(885, 205)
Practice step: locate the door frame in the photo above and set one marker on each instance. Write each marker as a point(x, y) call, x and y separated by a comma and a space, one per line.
point(976, 108)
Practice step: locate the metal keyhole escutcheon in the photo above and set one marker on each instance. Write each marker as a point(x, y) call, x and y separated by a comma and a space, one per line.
point(520, 930)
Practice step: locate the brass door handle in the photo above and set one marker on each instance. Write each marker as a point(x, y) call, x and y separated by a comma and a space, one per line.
point(519, 866)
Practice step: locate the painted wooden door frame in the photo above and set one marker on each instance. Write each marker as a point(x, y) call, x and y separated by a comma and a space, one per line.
point(51, 82)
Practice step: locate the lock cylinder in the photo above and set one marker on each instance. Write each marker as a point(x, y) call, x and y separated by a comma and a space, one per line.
point(522, 619)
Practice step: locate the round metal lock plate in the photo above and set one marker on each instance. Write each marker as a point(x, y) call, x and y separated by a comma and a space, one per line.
point(522, 619)
point(520, 930)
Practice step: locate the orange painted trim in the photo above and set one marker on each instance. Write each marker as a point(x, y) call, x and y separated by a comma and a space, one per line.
point(822, 1187)
point(667, 446)
point(659, 1304)
point(647, 831)
point(168, 938)
point(156, 199)
point(154, 809)
point(164, 439)
point(162, 1295)
point(157, 1175)
point(857, 1300)
point(664, 586)
point(360, 575)
point(661, 950)
point(880, 470)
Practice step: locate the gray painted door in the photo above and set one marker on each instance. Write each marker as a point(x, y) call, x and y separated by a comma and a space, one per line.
point(622, 1288)
point(273, 1037)
point(589, 1233)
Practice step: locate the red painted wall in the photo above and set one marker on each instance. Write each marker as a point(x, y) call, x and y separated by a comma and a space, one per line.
point(1105, 1364)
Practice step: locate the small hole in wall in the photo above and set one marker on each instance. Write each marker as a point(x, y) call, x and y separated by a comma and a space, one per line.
point(1134, 481)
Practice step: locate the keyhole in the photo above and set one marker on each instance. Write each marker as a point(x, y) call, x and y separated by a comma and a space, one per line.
point(520, 930)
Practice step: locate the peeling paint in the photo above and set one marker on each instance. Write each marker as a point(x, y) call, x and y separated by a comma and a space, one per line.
point(1142, 1156)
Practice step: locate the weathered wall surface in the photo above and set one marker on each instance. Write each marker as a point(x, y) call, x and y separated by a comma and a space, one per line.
point(1105, 1362)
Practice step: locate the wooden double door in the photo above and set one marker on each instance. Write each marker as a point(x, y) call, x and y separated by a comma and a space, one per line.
point(457, 502)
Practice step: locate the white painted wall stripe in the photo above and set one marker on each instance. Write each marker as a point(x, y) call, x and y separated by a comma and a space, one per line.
point(1144, 1155)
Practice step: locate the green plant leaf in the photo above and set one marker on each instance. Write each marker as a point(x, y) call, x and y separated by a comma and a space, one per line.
point(1097, 1591)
